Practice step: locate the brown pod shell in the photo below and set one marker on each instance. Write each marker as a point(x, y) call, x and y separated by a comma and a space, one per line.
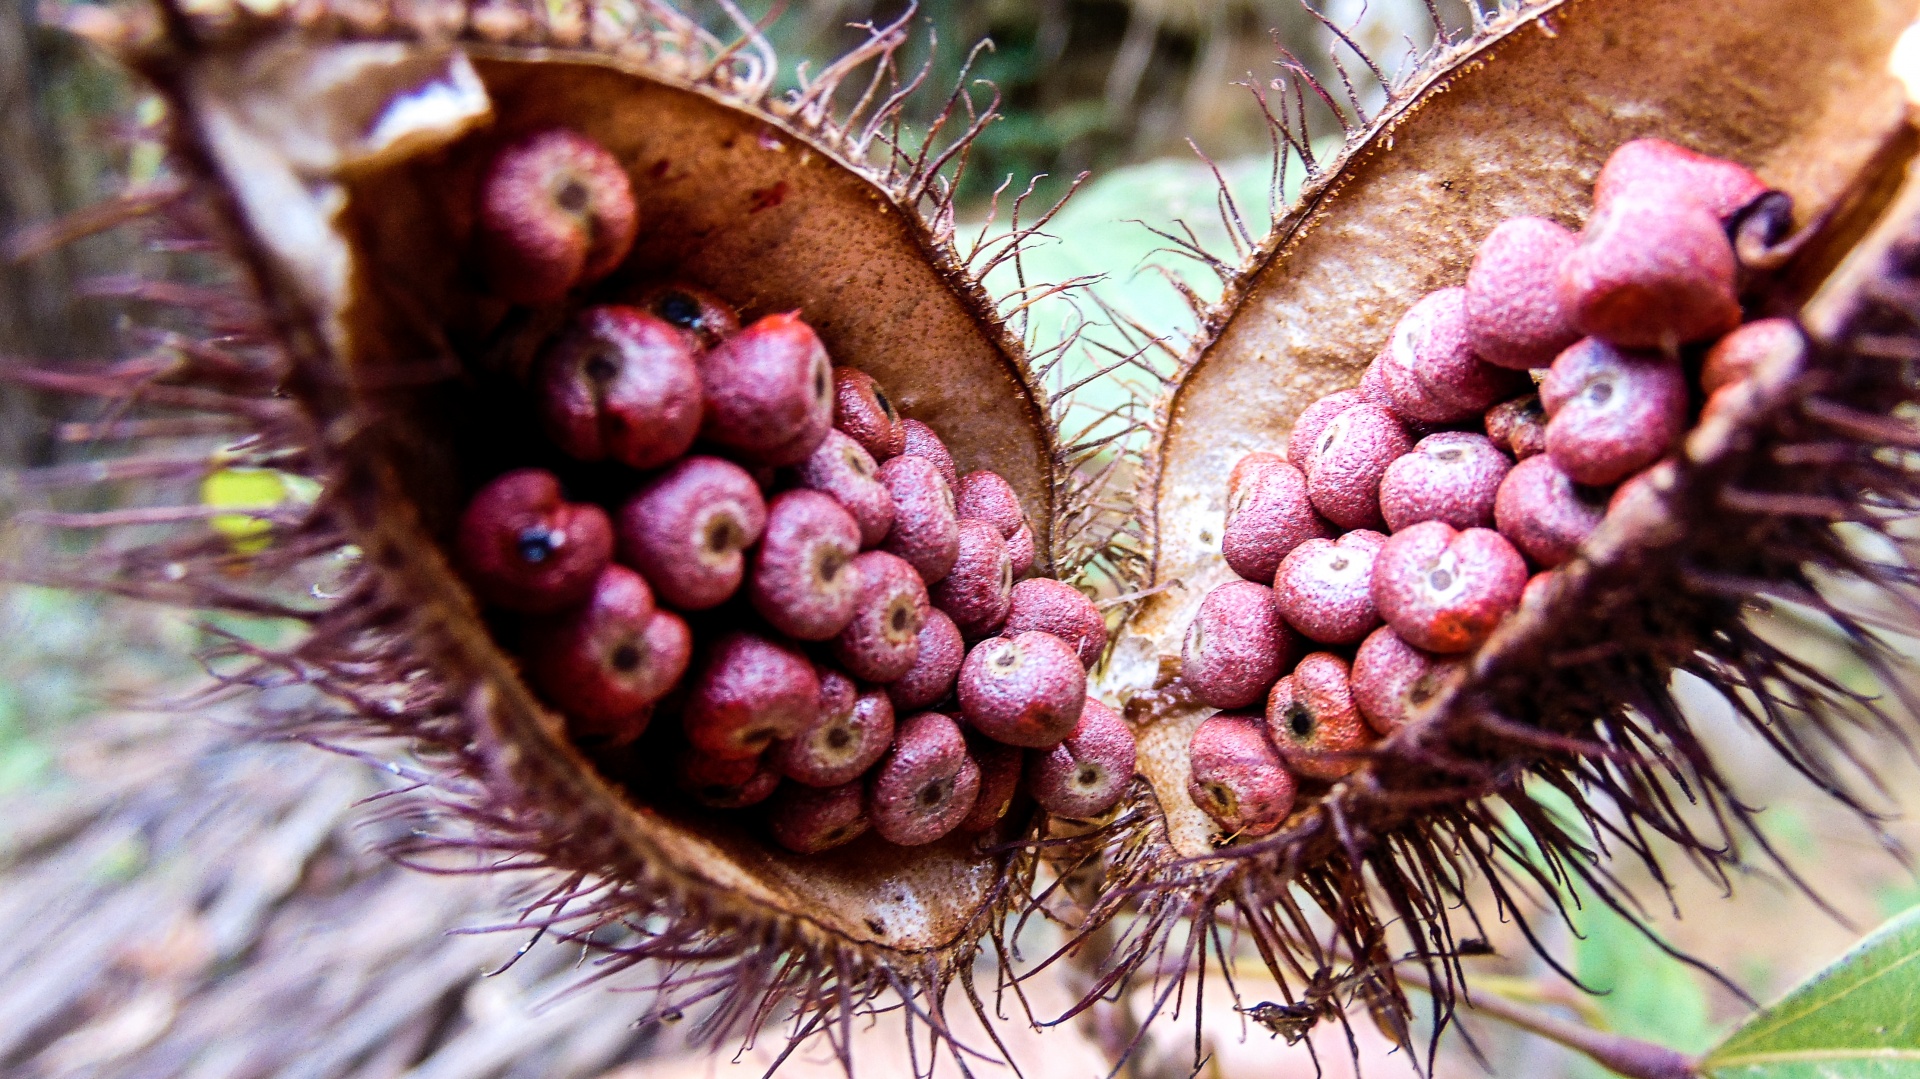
point(358, 235)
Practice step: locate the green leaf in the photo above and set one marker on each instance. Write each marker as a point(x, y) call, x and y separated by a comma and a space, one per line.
point(1858, 1019)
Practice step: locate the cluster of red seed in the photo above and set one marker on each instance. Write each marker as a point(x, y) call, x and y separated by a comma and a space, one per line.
point(790, 566)
point(1476, 481)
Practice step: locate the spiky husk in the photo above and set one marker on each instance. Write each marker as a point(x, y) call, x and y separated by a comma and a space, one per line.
point(329, 348)
point(1801, 496)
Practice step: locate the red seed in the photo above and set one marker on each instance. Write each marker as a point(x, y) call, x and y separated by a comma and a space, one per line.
point(1445, 590)
point(1268, 515)
point(1651, 273)
point(1000, 768)
point(723, 782)
point(1085, 775)
point(1313, 720)
point(749, 693)
point(935, 668)
point(922, 442)
point(1026, 690)
point(978, 590)
point(1734, 357)
point(808, 820)
point(1303, 439)
point(619, 383)
point(1020, 552)
point(1236, 646)
point(1349, 460)
point(926, 785)
point(842, 468)
point(986, 496)
point(1058, 608)
point(1514, 314)
point(769, 392)
point(1325, 587)
point(1612, 413)
point(848, 732)
point(1392, 680)
point(556, 211)
point(1236, 776)
point(704, 318)
point(605, 663)
point(1450, 476)
point(800, 581)
point(688, 529)
point(1544, 513)
point(1658, 169)
point(522, 547)
point(883, 640)
point(1430, 368)
point(862, 409)
point(926, 528)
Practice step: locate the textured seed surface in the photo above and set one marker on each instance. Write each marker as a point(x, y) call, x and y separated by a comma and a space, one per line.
point(1325, 587)
point(1303, 440)
point(688, 528)
point(844, 469)
point(1391, 679)
point(1544, 513)
point(1268, 515)
point(801, 581)
point(1611, 413)
point(921, 441)
point(1313, 721)
point(1025, 690)
point(1058, 608)
point(1000, 769)
point(748, 693)
point(849, 731)
point(1430, 368)
point(936, 665)
point(986, 496)
point(720, 782)
point(556, 210)
point(808, 820)
point(862, 409)
point(1450, 476)
point(882, 641)
point(1349, 460)
point(704, 318)
point(1734, 357)
point(1236, 646)
point(1658, 169)
point(1085, 775)
point(926, 785)
point(1444, 589)
point(978, 590)
point(1237, 777)
point(1518, 426)
point(619, 383)
point(1651, 273)
point(769, 392)
point(1514, 314)
point(926, 527)
point(523, 547)
point(1021, 552)
point(606, 662)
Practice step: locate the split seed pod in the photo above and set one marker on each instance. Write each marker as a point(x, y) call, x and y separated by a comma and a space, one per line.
point(1514, 118)
point(335, 152)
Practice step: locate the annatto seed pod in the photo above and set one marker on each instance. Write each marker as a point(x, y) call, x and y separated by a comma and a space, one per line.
point(339, 155)
point(1515, 119)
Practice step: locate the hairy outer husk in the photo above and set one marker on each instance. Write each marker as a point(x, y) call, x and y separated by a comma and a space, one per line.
point(1802, 495)
point(319, 147)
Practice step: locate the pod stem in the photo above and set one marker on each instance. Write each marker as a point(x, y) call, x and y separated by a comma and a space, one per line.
point(1630, 1057)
